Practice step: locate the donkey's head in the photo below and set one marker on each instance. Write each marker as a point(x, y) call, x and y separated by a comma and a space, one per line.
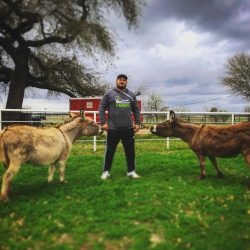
point(166, 128)
point(88, 126)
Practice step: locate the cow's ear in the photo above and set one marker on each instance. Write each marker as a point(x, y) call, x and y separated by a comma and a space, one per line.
point(82, 114)
point(172, 116)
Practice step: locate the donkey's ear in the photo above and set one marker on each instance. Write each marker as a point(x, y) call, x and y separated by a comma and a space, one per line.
point(72, 115)
point(172, 116)
point(82, 113)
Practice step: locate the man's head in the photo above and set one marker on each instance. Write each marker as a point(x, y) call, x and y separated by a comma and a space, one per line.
point(121, 81)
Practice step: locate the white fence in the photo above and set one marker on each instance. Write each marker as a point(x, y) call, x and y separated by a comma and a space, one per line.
point(43, 117)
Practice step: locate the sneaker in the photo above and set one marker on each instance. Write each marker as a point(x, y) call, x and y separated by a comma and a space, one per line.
point(133, 174)
point(105, 175)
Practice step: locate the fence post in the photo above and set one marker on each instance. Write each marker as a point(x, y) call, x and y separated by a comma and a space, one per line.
point(232, 118)
point(168, 146)
point(94, 135)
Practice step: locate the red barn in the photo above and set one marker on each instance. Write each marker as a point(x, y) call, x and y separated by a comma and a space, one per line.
point(90, 104)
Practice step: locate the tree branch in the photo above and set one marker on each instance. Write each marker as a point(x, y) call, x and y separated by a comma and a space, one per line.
point(14, 6)
point(4, 80)
point(26, 25)
point(48, 40)
point(7, 46)
point(11, 32)
point(37, 82)
point(6, 72)
point(85, 9)
point(38, 61)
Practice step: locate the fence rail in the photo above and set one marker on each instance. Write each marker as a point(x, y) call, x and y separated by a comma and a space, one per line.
point(45, 117)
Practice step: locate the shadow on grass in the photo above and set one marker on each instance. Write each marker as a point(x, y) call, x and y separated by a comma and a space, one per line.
point(181, 169)
point(39, 190)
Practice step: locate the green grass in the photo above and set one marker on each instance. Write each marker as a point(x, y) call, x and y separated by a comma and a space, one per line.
point(168, 208)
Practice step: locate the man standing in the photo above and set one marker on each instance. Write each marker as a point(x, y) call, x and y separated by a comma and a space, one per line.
point(120, 102)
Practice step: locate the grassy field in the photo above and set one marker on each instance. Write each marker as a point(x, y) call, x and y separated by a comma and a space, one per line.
point(168, 208)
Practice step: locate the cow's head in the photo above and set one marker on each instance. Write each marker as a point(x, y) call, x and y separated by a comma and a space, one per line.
point(166, 128)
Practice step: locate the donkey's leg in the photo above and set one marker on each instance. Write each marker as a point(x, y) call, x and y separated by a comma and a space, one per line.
point(215, 164)
point(52, 169)
point(5, 166)
point(246, 154)
point(61, 164)
point(202, 160)
point(8, 175)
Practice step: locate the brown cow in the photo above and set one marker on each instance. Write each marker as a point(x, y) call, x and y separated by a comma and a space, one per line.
point(209, 140)
point(47, 146)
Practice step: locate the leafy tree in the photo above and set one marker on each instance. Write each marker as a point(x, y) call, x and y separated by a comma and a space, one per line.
point(238, 75)
point(247, 109)
point(43, 43)
point(214, 109)
point(218, 118)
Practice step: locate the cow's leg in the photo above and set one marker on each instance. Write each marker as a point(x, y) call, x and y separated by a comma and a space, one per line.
point(8, 175)
point(61, 164)
point(246, 154)
point(52, 168)
point(202, 160)
point(215, 164)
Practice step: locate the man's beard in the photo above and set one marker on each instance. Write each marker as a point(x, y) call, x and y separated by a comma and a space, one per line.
point(121, 87)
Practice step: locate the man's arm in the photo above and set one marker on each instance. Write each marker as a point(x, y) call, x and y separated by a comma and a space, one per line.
point(102, 108)
point(136, 112)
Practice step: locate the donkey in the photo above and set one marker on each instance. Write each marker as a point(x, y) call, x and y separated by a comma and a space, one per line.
point(40, 145)
point(208, 140)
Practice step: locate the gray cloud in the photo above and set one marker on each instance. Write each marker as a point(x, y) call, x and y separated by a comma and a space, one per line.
point(229, 19)
point(180, 50)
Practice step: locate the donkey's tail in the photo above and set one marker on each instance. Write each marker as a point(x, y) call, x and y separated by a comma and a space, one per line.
point(3, 152)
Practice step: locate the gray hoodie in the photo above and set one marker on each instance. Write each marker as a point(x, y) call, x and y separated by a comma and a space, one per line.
point(119, 105)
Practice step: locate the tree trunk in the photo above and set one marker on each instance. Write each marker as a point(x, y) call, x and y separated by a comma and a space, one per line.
point(17, 87)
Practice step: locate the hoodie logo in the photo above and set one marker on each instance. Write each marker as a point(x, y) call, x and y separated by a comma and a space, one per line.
point(121, 103)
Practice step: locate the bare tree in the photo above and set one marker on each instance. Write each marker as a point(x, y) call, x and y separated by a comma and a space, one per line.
point(238, 75)
point(154, 102)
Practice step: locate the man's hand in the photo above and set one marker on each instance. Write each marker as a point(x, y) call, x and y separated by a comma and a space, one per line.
point(105, 127)
point(136, 128)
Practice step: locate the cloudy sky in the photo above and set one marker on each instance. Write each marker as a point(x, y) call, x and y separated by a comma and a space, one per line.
point(181, 48)
point(178, 51)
